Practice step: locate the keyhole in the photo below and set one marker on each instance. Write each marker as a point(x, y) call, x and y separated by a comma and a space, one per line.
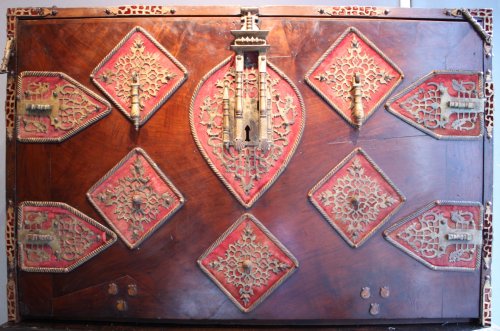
point(247, 130)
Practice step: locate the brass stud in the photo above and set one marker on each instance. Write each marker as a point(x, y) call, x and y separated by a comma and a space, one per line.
point(132, 290)
point(112, 289)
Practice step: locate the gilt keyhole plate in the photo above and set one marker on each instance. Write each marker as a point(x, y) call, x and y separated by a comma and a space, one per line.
point(249, 172)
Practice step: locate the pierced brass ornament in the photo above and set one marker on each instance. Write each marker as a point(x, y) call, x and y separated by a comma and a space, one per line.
point(246, 116)
point(444, 235)
point(247, 263)
point(135, 197)
point(354, 76)
point(443, 104)
point(356, 198)
point(52, 107)
point(55, 237)
point(139, 75)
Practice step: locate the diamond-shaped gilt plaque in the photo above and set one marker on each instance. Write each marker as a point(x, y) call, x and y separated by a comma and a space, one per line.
point(247, 262)
point(52, 107)
point(444, 235)
point(139, 59)
point(356, 197)
point(55, 237)
point(443, 104)
point(353, 76)
point(135, 197)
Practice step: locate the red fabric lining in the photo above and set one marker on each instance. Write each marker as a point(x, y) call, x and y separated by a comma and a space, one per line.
point(261, 238)
point(209, 91)
point(443, 261)
point(446, 80)
point(53, 83)
point(155, 181)
point(370, 172)
point(344, 105)
point(30, 213)
point(162, 59)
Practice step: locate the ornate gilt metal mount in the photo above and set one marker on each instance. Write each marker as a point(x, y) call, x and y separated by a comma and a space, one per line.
point(139, 75)
point(247, 263)
point(444, 235)
point(484, 32)
point(135, 197)
point(9, 45)
point(52, 107)
point(55, 237)
point(356, 197)
point(353, 76)
point(246, 116)
point(444, 104)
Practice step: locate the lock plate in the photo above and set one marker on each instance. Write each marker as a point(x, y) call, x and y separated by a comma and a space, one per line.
point(55, 237)
point(444, 235)
point(52, 107)
point(443, 104)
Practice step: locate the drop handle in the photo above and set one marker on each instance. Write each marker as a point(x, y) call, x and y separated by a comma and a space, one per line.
point(357, 97)
point(136, 107)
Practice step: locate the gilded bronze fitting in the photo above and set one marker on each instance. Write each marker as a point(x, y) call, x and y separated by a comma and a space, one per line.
point(374, 309)
point(250, 124)
point(356, 197)
point(135, 197)
point(443, 235)
point(353, 76)
point(385, 292)
point(55, 237)
point(52, 107)
point(139, 75)
point(252, 264)
point(443, 104)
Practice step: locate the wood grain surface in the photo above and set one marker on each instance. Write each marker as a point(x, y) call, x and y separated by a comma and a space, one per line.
point(326, 287)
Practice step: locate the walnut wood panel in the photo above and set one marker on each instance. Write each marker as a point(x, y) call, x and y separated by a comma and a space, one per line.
point(326, 287)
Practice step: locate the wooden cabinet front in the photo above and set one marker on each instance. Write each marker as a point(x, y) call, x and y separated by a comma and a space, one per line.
point(344, 270)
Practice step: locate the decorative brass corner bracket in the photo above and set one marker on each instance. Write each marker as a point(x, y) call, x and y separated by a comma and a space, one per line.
point(4, 67)
point(484, 32)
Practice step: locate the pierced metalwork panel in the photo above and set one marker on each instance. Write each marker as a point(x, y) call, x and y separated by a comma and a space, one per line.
point(139, 75)
point(135, 197)
point(55, 237)
point(247, 262)
point(444, 235)
point(249, 172)
point(356, 198)
point(444, 104)
point(53, 107)
point(354, 76)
